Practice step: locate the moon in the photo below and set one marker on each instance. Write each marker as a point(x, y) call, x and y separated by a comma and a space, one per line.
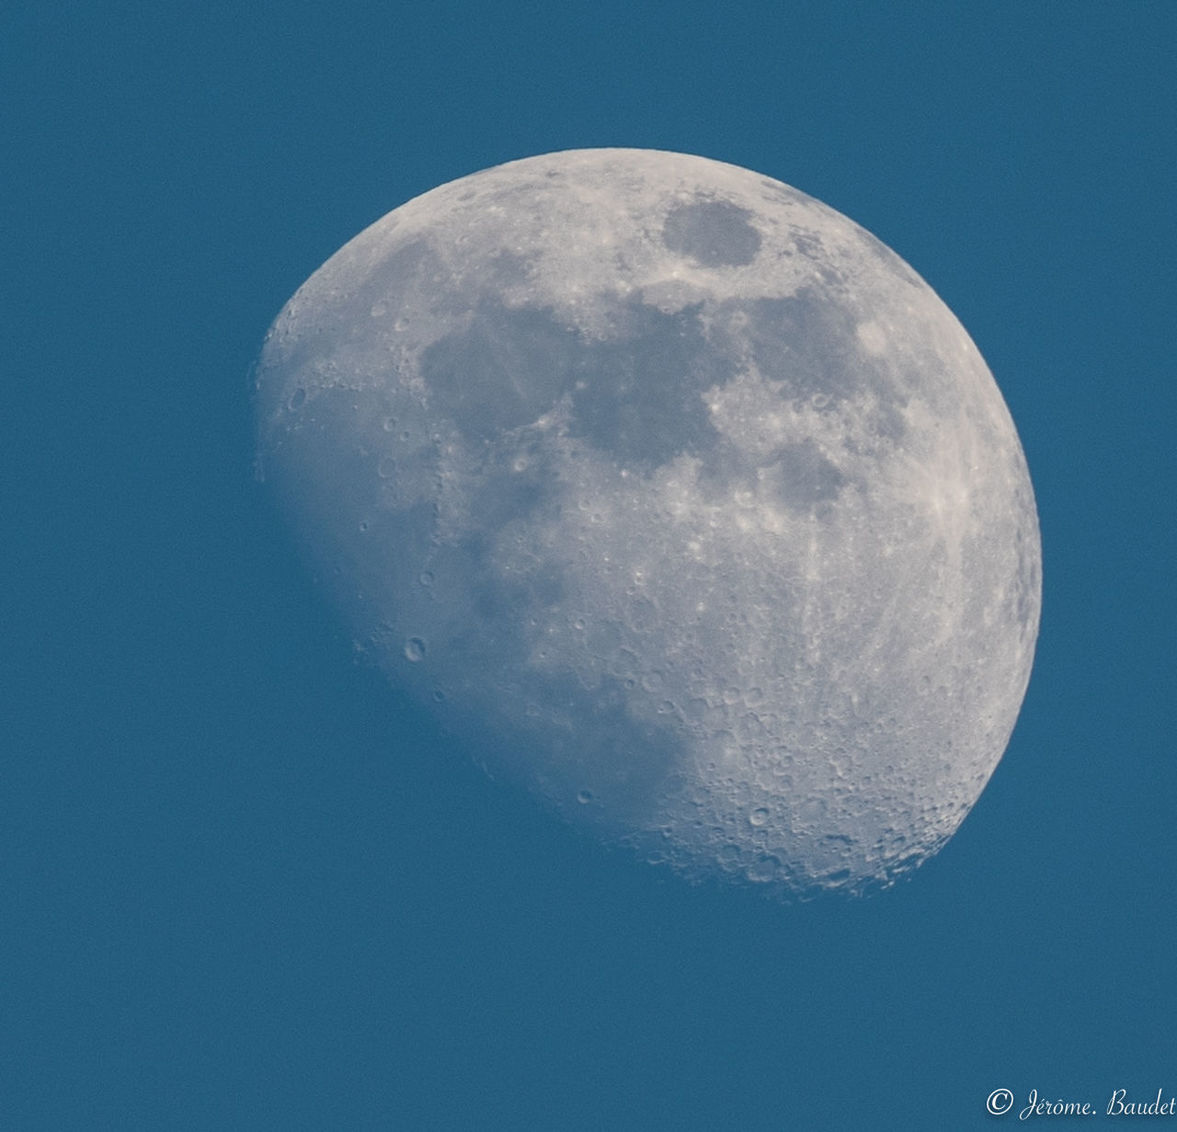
point(679, 498)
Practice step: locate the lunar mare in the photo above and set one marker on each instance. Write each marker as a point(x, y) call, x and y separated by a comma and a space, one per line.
point(679, 498)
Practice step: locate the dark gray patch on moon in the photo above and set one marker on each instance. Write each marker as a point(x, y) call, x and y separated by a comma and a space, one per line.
point(508, 268)
point(806, 343)
point(505, 600)
point(511, 483)
point(715, 233)
point(804, 478)
point(800, 341)
point(639, 398)
point(391, 284)
point(1027, 581)
point(506, 370)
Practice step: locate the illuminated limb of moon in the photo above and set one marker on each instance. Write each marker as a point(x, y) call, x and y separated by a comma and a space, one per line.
point(676, 494)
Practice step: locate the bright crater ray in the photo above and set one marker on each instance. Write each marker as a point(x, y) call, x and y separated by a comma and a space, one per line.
point(676, 495)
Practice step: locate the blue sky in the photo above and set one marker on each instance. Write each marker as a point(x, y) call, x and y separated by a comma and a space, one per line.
point(245, 885)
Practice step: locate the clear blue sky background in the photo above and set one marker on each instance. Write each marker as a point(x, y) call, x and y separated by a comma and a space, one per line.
point(245, 886)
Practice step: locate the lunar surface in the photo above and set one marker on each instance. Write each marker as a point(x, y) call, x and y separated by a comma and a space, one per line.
point(679, 498)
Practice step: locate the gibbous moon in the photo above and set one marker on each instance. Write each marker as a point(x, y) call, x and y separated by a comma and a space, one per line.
point(679, 498)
